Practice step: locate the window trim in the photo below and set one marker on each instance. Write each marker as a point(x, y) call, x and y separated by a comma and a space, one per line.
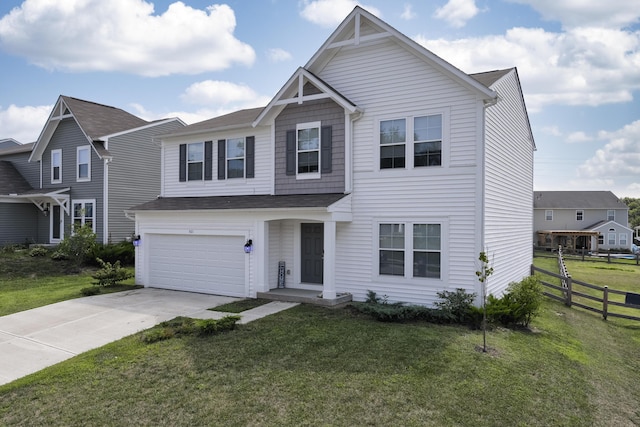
point(318, 173)
point(580, 215)
point(408, 250)
point(78, 150)
point(53, 166)
point(227, 158)
point(188, 162)
point(414, 142)
point(548, 215)
point(83, 219)
point(620, 237)
point(615, 240)
point(612, 216)
point(403, 143)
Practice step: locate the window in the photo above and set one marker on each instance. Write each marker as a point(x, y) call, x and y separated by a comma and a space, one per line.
point(579, 215)
point(195, 161)
point(611, 215)
point(308, 148)
point(421, 249)
point(56, 166)
point(426, 250)
point(611, 238)
point(83, 160)
point(622, 238)
point(427, 137)
point(235, 158)
point(84, 213)
point(601, 239)
point(393, 135)
point(548, 215)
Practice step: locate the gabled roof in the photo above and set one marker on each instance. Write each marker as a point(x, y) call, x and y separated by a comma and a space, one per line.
point(488, 78)
point(20, 148)
point(11, 181)
point(606, 225)
point(95, 120)
point(8, 142)
point(235, 120)
point(361, 27)
point(576, 200)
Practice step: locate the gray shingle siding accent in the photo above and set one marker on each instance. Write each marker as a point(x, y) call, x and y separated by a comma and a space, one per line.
point(329, 114)
point(134, 175)
point(17, 223)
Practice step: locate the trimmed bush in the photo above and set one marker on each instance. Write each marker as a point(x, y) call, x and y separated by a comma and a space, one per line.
point(110, 274)
point(456, 305)
point(188, 326)
point(113, 252)
point(518, 306)
point(90, 291)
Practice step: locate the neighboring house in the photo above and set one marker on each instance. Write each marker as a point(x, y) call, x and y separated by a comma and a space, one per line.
point(8, 143)
point(377, 166)
point(89, 164)
point(594, 220)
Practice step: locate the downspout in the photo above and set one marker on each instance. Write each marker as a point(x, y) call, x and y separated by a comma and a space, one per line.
point(350, 119)
point(105, 197)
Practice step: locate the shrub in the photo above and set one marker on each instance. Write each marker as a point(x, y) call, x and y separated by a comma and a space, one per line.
point(383, 311)
point(89, 291)
point(38, 251)
point(123, 252)
point(187, 326)
point(110, 274)
point(59, 256)
point(80, 245)
point(518, 306)
point(456, 305)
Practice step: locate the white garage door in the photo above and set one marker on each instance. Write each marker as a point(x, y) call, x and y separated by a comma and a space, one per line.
point(207, 264)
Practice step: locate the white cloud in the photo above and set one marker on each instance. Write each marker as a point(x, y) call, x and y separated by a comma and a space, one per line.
point(552, 130)
point(124, 35)
point(578, 137)
point(618, 159)
point(457, 12)
point(580, 13)
point(278, 55)
point(23, 124)
point(408, 13)
point(214, 92)
point(330, 13)
point(582, 66)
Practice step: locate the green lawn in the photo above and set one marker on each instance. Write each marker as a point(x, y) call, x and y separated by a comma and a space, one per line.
point(319, 366)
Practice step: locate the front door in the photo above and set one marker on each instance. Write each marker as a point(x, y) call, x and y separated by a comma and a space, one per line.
point(57, 224)
point(312, 248)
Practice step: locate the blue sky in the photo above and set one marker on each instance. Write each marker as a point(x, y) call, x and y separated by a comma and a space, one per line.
point(578, 61)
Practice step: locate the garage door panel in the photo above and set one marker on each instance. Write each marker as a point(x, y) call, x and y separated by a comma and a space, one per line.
point(209, 264)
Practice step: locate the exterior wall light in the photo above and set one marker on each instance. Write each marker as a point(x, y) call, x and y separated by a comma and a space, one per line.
point(248, 247)
point(137, 240)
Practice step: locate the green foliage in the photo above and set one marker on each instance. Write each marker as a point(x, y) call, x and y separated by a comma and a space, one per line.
point(10, 248)
point(38, 251)
point(90, 291)
point(181, 326)
point(110, 274)
point(79, 246)
point(634, 210)
point(518, 306)
point(112, 252)
point(456, 305)
point(383, 311)
point(59, 256)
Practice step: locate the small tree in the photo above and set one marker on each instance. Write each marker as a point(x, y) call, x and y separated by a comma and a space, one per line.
point(110, 274)
point(483, 274)
point(78, 246)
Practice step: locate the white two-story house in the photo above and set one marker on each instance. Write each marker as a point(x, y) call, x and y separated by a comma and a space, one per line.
point(377, 166)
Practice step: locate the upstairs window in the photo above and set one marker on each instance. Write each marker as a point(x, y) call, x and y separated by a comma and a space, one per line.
point(393, 136)
point(235, 158)
point(56, 166)
point(579, 215)
point(427, 138)
point(548, 215)
point(83, 161)
point(308, 146)
point(196, 161)
point(611, 215)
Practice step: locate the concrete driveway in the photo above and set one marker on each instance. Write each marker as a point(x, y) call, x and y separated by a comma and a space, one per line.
point(34, 339)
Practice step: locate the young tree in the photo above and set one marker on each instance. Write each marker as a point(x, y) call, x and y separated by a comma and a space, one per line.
point(483, 274)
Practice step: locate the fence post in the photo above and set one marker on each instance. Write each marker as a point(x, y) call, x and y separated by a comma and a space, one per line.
point(609, 257)
point(605, 302)
point(583, 254)
point(568, 292)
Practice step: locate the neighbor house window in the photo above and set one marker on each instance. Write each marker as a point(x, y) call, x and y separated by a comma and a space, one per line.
point(623, 239)
point(393, 136)
point(412, 244)
point(611, 238)
point(548, 215)
point(601, 239)
point(308, 148)
point(84, 214)
point(83, 157)
point(611, 215)
point(56, 166)
point(579, 215)
point(235, 158)
point(427, 139)
point(195, 161)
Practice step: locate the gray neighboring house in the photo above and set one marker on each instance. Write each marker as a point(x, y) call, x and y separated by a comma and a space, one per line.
point(595, 220)
point(90, 163)
point(8, 143)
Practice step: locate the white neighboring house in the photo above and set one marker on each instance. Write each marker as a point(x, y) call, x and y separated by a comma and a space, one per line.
point(378, 166)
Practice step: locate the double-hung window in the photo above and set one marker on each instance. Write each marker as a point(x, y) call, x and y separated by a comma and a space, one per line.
point(83, 161)
point(393, 137)
point(56, 166)
point(84, 213)
point(579, 215)
point(611, 215)
point(308, 149)
point(410, 244)
point(235, 158)
point(195, 161)
point(622, 238)
point(548, 215)
point(611, 237)
point(427, 140)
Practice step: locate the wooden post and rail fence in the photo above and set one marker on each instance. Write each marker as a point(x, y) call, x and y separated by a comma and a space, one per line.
point(572, 297)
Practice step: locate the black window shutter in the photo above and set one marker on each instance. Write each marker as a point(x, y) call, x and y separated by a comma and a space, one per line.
point(222, 159)
point(183, 162)
point(208, 160)
point(326, 149)
point(250, 153)
point(291, 152)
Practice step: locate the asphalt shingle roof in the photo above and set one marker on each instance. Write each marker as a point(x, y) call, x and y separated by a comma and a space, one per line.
point(488, 78)
point(576, 200)
point(11, 181)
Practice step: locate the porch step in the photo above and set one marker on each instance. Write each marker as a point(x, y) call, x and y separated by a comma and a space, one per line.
point(304, 296)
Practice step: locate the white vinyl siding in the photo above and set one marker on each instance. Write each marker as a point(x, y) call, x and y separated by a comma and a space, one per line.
point(261, 184)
